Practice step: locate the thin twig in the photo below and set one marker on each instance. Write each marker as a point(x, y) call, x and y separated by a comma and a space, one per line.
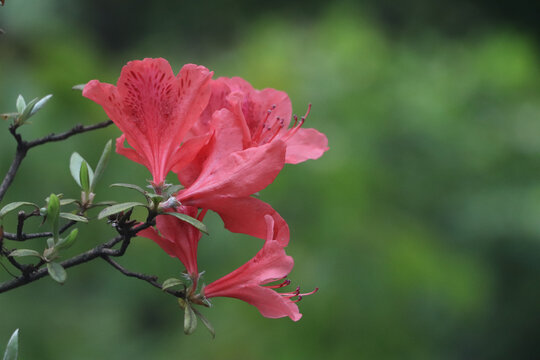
point(24, 146)
point(96, 252)
point(23, 237)
point(151, 279)
point(77, 129)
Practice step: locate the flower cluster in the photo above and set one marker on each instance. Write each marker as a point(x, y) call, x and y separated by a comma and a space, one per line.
point(225, 141)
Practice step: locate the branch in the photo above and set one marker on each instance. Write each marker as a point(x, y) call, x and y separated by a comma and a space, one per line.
point(24, 146)
point(151, 279)
point(17, 160)
point(77, 129)
point(23, 236)
point(96, 252)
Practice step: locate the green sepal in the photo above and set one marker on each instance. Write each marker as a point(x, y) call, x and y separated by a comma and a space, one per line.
point(190, 220)
point(115, 209)
point(102, 164)
point(190, 319)
point(12, 348)
point(12, 206)
point(206, 323)
point(57, 272)
point(78, 87)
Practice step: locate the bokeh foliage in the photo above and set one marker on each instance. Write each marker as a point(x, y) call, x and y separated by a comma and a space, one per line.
point(421, 225)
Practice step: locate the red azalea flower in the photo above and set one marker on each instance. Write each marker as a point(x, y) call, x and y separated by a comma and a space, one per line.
point(250, 281)
point(154, 109)
point(178, 239)
point(222, 177)
point(263, 115)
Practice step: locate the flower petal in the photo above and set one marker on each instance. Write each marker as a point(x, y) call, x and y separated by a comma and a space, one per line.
point(178, 238)
point(239, 174)
point(130, 153)
point(246, 216)
point(154, 108)
point(269, 303)
point(305, 144)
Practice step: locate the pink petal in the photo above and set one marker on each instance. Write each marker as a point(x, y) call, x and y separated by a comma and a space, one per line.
point(269, 303)
point(223, 138)
point(239, 174)
point(246, 216)
point(305, 144)
point(271, 263)
point(153, 108)
point(218, 100)
point(178, 238)
point(105, 95)
point(130, 153)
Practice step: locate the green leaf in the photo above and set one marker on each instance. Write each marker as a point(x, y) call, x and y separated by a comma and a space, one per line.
point(190, 319)
point(102, 164)
point(12, 206)
point(12, 349)
point(40, 104)
point(172, 189)
point(75, 163)
point(170, 283)
point(66, 201)
point(102, 203)
point(73, 217)
point(57, 272)
point(8, 116)
point(69, 240)
point(115, 209)
point(131, 186)
point(84, 177)
point(53, 211)
point(27, 110)
point(206, 323)
point(190, 220)
point(21, 104)
point(24, 252)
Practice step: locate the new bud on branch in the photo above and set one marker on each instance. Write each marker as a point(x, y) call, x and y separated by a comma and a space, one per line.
point(225, 141)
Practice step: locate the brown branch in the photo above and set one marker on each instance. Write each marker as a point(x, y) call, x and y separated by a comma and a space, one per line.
point(77, 129)
point(24, 146)
point(23, 236)
point(151, 279)
point(105, 249)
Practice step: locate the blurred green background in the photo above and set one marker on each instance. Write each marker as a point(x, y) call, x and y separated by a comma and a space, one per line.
point(421, 225)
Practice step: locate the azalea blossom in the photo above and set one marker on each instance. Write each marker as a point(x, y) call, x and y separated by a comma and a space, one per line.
point(263, 116)
point(154, 109)
point(223, 176)
point(178, 238)
point(252, 281)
